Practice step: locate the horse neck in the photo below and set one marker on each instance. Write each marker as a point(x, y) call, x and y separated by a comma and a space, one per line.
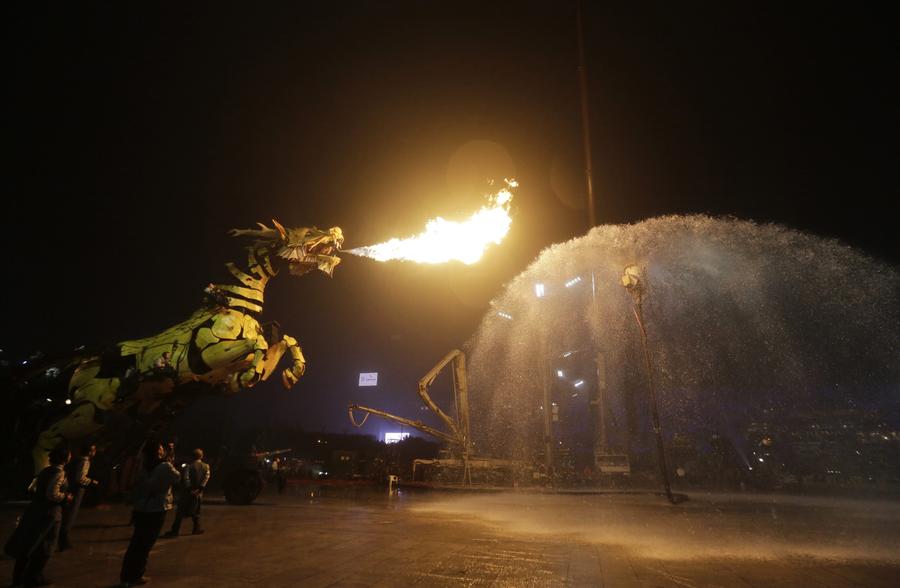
point(248, 289)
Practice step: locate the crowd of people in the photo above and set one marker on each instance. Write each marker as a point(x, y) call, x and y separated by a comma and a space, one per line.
point(57, 493)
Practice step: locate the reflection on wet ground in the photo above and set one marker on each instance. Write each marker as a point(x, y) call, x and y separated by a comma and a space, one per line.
point(363, 536)
point(708, 525)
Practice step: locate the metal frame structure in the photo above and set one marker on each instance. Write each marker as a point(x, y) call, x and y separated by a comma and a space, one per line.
point(459, 437)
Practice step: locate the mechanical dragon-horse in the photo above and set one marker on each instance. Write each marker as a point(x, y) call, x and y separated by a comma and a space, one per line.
point(221, 348)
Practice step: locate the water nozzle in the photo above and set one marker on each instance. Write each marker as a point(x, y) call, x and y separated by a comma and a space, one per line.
point(632, 280)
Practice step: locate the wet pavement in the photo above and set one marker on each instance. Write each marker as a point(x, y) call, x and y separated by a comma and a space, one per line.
point(365, 537)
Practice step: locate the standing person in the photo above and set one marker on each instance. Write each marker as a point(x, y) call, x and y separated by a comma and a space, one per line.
point(194, 478)
point(152, 499)
point(281, 475)
point(170, 452)
point(79, 482)
point(133, 465)
point(32, 543)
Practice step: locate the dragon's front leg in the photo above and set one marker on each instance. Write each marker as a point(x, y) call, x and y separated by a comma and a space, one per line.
point(289, 376)
point(250, 376)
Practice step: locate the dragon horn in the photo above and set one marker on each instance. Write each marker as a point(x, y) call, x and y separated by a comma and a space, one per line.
point(262, 232)
point(280, 229)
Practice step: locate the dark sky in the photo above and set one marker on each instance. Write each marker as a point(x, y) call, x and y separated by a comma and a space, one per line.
point(138, 135)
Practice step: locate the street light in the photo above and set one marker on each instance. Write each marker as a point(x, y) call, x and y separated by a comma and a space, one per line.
point(633, 281)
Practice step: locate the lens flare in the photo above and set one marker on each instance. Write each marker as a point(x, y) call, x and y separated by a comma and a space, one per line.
point(445, 240)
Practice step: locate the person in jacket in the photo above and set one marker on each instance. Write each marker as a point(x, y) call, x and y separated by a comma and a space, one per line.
point(152, 500)
point(77, 475)
point(194, 478)
point(32, 543)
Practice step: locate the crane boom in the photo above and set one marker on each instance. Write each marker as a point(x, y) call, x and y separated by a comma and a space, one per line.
point(409, 422)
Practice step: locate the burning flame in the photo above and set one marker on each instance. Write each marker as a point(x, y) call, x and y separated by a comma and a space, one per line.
point(445, 240)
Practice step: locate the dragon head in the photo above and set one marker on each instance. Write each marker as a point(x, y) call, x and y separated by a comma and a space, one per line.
point(303, 249)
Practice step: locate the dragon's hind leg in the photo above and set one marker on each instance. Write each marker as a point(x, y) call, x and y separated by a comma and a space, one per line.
point(81, 422)
point(90, 397)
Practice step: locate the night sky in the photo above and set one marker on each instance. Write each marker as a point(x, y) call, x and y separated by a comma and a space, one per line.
point(138, 135)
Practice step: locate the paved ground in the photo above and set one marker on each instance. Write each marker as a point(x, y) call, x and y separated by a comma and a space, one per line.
point(364, 537)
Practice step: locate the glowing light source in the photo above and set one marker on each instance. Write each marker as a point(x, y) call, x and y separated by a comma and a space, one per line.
point(505, 315)
point(579, 384)
point(539, 290)
point(395, 437)
point(68, 401)
point(368, 379)
point(445, 240)
point(573, 281)
point(560, 373)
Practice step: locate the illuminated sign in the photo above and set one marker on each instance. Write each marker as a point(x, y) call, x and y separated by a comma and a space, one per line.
point(395, 437)
point(368, 379)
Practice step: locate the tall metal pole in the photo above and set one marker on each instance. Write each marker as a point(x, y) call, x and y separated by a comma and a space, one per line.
point(654, 411)
point(600, 446)
point(600, 442)
point(548, 430)
point(633, 282)
point(586, 124)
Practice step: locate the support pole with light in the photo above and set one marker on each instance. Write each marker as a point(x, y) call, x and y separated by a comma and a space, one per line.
point(547, 413)
point(586, 125)
point(633, 281)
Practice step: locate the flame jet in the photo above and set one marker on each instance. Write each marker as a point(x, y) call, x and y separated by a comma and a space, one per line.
point(444, 240)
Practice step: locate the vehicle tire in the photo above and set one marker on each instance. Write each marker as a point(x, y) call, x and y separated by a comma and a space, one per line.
point(242, 487)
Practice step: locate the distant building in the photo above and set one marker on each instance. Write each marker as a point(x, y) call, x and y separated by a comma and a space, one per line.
point(848, 446)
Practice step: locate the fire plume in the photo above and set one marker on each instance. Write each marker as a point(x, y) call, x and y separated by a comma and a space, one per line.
point(444, 240)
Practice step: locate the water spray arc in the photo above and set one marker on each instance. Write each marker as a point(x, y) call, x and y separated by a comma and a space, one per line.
point(633, 281)
point(748, 321)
